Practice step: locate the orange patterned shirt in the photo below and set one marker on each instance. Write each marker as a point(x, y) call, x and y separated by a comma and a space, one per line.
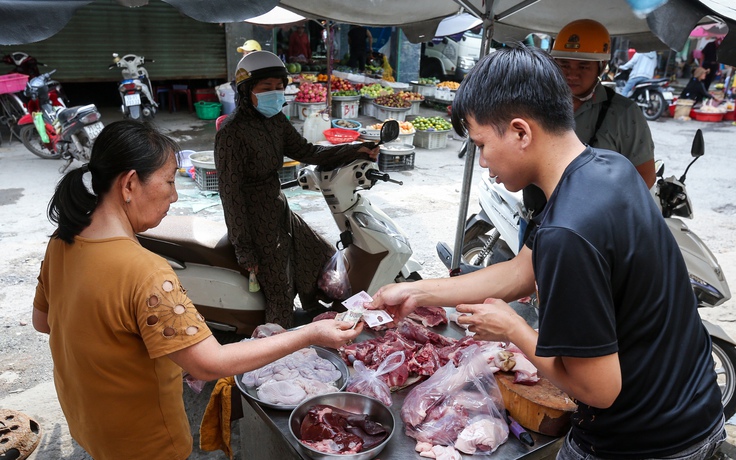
point(116, 310)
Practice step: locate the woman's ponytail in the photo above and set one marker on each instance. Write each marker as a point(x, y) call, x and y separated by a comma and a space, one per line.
point(72, 205)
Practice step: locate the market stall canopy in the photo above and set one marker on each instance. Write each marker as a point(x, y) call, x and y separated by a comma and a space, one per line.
point(277, 16)
point(456, 24)
point(28, 21)
point(515, 19)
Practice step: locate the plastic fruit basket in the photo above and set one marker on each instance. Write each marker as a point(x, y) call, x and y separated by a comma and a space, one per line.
point(340, 135)
point(12, 83)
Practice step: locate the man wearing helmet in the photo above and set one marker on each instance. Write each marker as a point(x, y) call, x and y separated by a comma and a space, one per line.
point(270, 239)
point(603, 119)
point(248, 47)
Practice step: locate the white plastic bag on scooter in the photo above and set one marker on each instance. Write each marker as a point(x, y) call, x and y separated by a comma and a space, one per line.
point(314, 126)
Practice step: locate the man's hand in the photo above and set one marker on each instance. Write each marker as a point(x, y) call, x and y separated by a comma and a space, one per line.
point(398, 300)
point(493, 320)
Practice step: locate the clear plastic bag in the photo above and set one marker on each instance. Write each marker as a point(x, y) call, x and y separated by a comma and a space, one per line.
point(369, 382)
point(334, 280)
point(458, 406)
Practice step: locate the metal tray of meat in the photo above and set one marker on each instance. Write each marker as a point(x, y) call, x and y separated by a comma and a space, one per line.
point(332, 356)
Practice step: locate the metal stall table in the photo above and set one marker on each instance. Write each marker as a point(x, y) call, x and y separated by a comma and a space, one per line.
point(264, 432)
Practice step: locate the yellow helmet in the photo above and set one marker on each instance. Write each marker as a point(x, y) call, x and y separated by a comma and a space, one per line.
point(249, 45)
point(583, 40)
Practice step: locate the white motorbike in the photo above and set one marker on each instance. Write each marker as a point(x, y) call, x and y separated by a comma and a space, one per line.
point(135, 90)
point(493, 236)
point(376, 249)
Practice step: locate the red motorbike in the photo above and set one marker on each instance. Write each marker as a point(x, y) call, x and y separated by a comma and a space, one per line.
point(28, 65)
point(54, 132)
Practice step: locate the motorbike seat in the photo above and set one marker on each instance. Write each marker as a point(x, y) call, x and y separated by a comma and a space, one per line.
point(190, 239)
point(654, 81)
point(67, 114)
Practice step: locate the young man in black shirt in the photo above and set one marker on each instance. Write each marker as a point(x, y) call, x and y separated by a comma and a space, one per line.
point(618, 325)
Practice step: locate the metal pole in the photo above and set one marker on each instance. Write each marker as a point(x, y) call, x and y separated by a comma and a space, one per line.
point(485, 45)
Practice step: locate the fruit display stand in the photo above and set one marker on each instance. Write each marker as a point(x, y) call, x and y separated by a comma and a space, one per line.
point(414, 110)
point(304, 109)
point(424, 90)
point(345, 106)
point(288, 109)
point(397, 113)
point(366, 106)
point(431, 139)
point(444, 94)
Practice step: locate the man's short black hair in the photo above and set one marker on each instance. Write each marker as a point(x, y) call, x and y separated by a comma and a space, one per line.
point(514, 82)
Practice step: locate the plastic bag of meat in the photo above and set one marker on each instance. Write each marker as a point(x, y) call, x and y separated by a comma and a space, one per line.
point(369, 383)
point(334, 280)
point(459, 406)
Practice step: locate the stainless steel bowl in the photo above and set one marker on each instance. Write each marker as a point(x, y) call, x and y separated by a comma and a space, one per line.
point(351, 402)
point(252, 392)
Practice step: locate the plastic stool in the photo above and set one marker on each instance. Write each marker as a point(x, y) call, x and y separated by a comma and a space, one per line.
point(164, 91)
point(176, 92)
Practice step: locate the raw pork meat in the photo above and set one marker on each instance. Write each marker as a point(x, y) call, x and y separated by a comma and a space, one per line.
point(525, 371)
point(418, 333)
point(332, 430)
point(305, 363)
point(441, 453)
point(426, 361)
point(325, 315)
point(267, 330)
point(294, 391)
point(429, 316)
point(485, 435)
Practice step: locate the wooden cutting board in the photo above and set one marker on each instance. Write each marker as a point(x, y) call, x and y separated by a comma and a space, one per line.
point(541, 407)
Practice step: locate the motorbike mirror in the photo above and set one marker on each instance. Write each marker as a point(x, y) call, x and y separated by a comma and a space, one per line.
point(659, 164)
point(698, 148)
point(389, 131)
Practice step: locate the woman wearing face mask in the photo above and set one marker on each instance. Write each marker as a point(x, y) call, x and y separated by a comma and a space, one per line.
point(269, 239)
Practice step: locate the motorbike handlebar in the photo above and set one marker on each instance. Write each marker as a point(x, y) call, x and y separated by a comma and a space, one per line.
point(111, 66)
point(372, 174)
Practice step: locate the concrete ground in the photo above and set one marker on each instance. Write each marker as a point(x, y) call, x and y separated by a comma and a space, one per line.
point(426, 207)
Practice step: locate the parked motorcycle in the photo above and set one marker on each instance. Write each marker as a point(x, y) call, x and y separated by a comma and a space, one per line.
point(136, 92)
point(493, 236)
point(652, 96)
point(54, 132)
point(200, 252)
point(28, 65)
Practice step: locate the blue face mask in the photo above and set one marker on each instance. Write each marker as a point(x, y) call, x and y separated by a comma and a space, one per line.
point(270, 102)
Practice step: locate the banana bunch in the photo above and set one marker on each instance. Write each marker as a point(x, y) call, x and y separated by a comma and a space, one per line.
point(387, 70)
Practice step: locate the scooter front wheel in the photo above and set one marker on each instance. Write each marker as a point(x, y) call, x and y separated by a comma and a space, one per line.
point(499, 252)
point(724, 362)
point(32, 140)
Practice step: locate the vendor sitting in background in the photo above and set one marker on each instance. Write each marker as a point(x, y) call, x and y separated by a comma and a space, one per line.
point(695, 89)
